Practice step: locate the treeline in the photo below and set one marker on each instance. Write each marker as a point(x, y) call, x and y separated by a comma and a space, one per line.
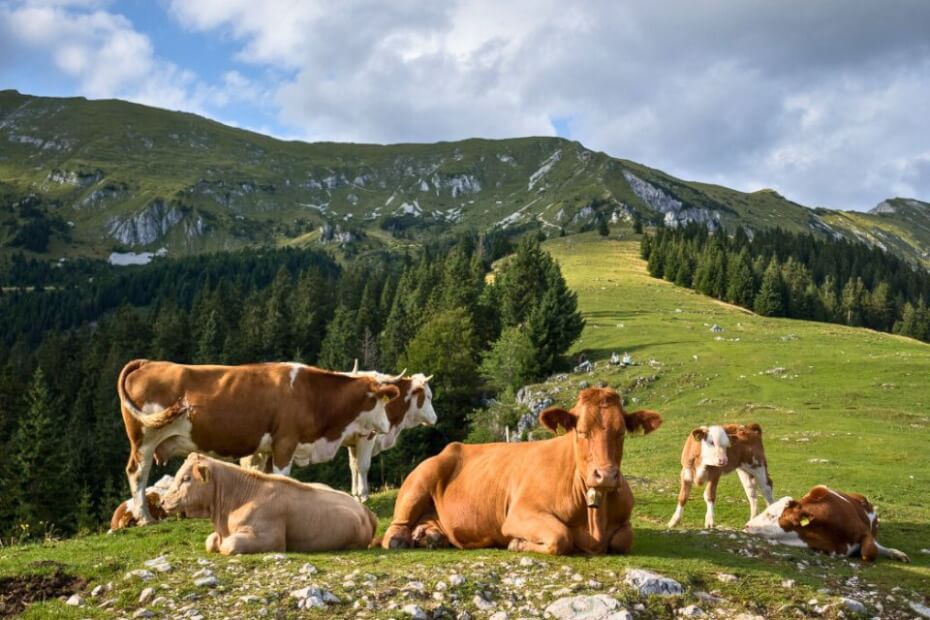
point(776, 273)
point(62, 444)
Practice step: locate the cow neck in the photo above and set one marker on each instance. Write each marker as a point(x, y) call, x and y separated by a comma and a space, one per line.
point(397, 408)
point(333, 404)
point(596, 517)
point(229, 487)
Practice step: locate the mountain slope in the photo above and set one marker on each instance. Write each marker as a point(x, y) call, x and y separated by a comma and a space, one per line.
point(81, 177)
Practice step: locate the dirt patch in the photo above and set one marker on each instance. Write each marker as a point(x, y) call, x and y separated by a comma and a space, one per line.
point(17, 592)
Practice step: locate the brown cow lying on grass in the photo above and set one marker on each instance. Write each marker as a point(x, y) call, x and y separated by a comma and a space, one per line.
point(123, 515)
point(557, 496)
point(253, 512)
point(825, 520)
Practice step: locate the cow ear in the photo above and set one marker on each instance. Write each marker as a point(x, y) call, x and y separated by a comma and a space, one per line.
point(387, 392)
point(554, 417)
point(644, 420)
point(699, 433)
point(202, 472)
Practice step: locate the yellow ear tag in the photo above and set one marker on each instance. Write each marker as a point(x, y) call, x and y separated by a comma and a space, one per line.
point(805, 521)
point(385, 399)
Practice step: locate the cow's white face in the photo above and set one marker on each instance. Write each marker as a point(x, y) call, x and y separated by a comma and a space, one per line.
point(766, 525)
point(420, 408)
point(191, 491)
point(714, 444)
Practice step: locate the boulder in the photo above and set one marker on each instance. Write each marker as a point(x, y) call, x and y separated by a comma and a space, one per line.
point(649, 583)
point(597, 607)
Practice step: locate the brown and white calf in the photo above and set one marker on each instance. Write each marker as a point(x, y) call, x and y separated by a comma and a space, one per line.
point(414, 407)
point(253, 512)
point(123, 517)
point(234, 411)
point(712, 451)
point(825, 520)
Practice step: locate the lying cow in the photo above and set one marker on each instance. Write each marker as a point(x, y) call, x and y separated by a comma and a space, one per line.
point(711, 452)
point(557, 496)
point(827, 521)
point(234, 411)
point(254, 512)
point(412, 408)
point(122, 516)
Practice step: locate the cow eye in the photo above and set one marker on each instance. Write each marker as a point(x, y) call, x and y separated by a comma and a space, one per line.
point(186, 479)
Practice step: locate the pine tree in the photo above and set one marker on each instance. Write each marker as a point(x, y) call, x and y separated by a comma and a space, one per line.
point(880, 307)
point(853, 301)
point(521, 280)
point(511, 362)
point(277, 326)
point(602, 228)
point(770, 301)
point(741, 284)
point(554, 323)
point(341, 344)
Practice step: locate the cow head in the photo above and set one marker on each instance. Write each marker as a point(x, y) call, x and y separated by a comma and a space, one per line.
point(420, 408)
point(192, 492)
point(373, 417)
point(714, 443)
point(598, 425)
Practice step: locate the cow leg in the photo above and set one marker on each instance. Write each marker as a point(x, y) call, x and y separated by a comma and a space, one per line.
point(213, 543)
point(683, 494)
point(137, 471)
point(761, 475)
point(414, 500)
point(710, 496)
point(539, 532)
point(353, 469)
point(749, 486)
point(363, 464)
point(888, 552)
point(246, 540)
point(429, 533)
point(282, 453)
point(622, 540)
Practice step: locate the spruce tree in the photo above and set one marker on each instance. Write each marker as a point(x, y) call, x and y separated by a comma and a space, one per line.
point(340, 346)
point(741, 284)
point(770, 301)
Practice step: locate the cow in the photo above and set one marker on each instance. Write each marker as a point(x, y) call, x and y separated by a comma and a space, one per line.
point(413, 408)
point(825, 520)
point(710, 452)
point(254, 512)
point(234, 411)
point(123, 517)
point(557, 496)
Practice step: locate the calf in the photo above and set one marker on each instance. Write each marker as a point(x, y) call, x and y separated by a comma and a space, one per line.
point(254, 512)
point(557, 496)
point(234, 411)
point(122, 516)
point(827, 521)
point(710, 452)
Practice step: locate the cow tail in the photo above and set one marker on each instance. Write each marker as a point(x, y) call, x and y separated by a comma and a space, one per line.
point(156, 419)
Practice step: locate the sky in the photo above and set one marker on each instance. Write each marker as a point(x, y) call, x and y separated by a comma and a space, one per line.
point(828, 102)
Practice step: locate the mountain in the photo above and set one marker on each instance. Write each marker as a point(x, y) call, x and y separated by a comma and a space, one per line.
point(87, 178)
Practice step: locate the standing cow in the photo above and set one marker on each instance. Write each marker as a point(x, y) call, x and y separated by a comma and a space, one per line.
point(713, 451)
point(233, 411)
point(557, 496)
point(414, 407)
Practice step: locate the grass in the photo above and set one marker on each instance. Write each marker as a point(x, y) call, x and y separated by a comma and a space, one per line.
point(849, 410)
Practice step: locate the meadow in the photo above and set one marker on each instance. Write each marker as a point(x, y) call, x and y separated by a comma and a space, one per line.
point(841, 406)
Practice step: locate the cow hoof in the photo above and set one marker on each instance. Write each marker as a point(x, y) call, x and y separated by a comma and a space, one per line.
point(672, 523)
point(515, 545)
point(900, 556)
point(397, 543)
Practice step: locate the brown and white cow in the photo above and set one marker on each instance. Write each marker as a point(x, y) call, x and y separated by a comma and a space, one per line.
point(234, 411)
point(827, 521)
point(123, 517)
point(414, 407)
point(712, 451)
point(253, 512)
point(557, 496)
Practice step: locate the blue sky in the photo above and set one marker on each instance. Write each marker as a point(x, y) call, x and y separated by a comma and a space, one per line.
point(825, 101)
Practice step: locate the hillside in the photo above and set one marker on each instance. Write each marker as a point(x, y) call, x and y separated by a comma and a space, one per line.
point(81, 177)
point(841, 406)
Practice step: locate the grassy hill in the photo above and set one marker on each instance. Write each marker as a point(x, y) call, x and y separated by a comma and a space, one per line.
point(841, 406)
point(85, 178)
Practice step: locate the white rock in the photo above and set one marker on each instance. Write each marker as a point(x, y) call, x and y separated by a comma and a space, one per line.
point(727, 578)
point(159, 564)
point(482, 603)
point(144, 575)
point(207, 581)
point(415, 586)
point(274, 557)
point(99, 590)
point(526, 561)
point(597, 607)
point(441, 586)
point(146, 594)
point(499, 615)
point(414, 611)
point(788, 583)
point(74, 600)
point(853, 605)
point(691, 611)
point(308, 569)
point(143, 613)
point(649, 583)
point(456, 580)
point(919, 609)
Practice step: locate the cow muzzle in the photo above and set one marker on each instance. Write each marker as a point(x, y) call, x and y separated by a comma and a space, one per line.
point(605, 478)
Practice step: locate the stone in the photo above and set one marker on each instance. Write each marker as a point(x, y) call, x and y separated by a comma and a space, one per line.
point(499, 615)
point(274, 557)
point(207, 581)
point(727, 578)
point(691, 611)
point(921, 610)
point(853, 605)
point(648, 583)
point(159, 564)
point(143, 613)
point(74, 600)
point(308, 569)
point(788, 583)
point(144, 575)
point(145, 595)
point(456, 580)
point(482, 603)
point(99, 590)
point(414, 611)
point(526, 561)
point(597, 607)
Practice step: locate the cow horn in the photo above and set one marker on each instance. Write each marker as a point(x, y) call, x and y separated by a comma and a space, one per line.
point(355, 367)
point(397, 378)
point(427, 379)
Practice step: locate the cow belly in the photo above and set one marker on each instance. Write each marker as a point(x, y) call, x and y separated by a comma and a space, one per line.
point(335, 527)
